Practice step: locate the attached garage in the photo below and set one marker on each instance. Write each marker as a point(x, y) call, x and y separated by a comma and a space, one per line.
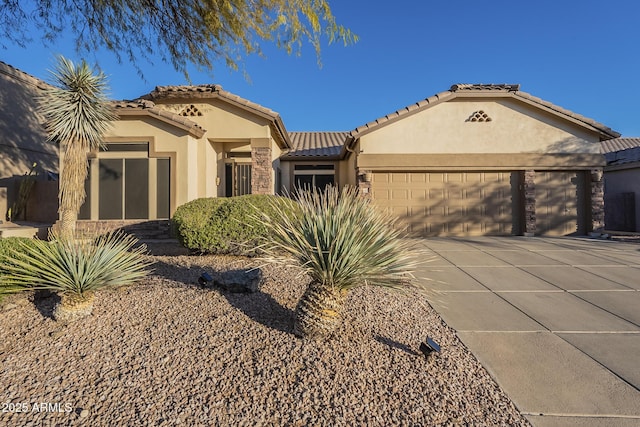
point(484, 160)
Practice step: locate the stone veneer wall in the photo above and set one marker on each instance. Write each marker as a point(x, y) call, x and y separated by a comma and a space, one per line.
point(529, 189)
point(261, 182)
point(142, 229)
point(597, 200)
point(364, 183)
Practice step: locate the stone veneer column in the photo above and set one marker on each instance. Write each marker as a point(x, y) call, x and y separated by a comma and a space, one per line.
point(261, 170)
point(364, 183)
point(597, 200)
point(529, 188)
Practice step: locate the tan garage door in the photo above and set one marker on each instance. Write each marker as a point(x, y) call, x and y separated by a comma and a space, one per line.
point(451, 203)
point(560, 203)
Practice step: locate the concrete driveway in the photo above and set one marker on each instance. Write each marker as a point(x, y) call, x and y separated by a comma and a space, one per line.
point(556, 321)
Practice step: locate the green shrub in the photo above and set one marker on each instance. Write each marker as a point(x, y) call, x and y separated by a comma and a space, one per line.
point(8, 247)
point(227, 225)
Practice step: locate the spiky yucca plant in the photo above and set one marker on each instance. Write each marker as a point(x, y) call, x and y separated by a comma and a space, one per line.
point(341, 241)
point(77, 115)
point(76, 268)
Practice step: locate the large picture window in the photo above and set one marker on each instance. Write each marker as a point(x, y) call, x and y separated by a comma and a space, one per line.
point(307, 177)
point(125, 183)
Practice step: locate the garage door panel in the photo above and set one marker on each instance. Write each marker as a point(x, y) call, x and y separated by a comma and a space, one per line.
point(448, 203)
point(418, 177)
point(435, 177)
point(380, 178)
point(560, 199)
point(399, 194)
point(400, 178)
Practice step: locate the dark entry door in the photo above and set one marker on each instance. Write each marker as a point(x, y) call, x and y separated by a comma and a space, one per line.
point(237, 179)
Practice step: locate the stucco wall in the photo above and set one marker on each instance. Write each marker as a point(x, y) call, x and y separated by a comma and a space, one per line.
point(228, 129)
point(286, 172)
point(23, 137)
point(222, 120)
point(515, 127)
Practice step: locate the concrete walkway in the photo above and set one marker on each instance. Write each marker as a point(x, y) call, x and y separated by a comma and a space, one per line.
point(556, 321)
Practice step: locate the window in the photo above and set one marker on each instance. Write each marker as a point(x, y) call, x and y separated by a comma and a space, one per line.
point(314, 176)
point(125, 183)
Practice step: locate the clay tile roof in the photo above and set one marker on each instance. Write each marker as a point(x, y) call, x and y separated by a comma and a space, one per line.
point(461, 89)
point(22, 76)
point(485, 87)
point(316, 144)
point(206, 91)
point(144, 106)
point(619, 144)
point(183, 90)
point(606, 132)
point(432, 100)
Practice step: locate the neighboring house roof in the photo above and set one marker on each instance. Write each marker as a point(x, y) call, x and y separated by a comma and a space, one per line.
point(23, 77)
point(619, 144)
point(213, 91)
point(145, 107)
point(328, 145)
point(620, 151)
point(483, 90)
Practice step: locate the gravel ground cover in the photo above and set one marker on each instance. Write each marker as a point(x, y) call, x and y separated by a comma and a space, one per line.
point(168, 352)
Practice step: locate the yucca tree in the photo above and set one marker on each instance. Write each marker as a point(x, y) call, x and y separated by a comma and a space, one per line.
point(75, 268)
point(77, 114)
point(341, 241)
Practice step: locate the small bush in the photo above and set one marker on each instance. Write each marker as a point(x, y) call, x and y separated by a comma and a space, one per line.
point(228, 225)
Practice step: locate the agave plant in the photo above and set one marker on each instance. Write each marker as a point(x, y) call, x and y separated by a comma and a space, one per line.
point(77, 115)
point(341, 241)
point(76, 268)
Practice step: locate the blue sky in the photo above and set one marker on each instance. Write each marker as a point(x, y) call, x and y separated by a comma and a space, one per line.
point(581, 55)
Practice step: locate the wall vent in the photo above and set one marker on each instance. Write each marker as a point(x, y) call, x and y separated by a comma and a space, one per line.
point(479, 116)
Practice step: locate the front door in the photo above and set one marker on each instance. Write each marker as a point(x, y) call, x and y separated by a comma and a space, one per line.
point(237, 178)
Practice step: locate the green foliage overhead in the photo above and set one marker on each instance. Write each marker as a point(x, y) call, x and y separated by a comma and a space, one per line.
point(179, 31)
point(340, 240)
point(227, 225)
point(77, 266)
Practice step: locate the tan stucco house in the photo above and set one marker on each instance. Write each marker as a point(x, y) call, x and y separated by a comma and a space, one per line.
point(472, 160)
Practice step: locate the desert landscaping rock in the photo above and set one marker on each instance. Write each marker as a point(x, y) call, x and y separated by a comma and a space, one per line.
point(246, 280)
point(168, 352)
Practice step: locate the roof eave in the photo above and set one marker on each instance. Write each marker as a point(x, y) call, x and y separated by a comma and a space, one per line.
point(192, 128)
point(284, 142)
point(604, 131)
point(400, 114)
point(303, 158)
